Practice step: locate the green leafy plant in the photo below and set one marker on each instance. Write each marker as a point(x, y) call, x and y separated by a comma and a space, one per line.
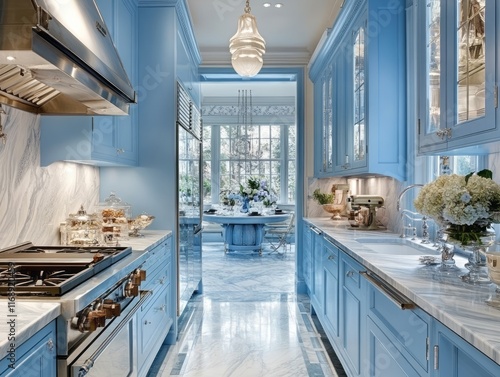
point(323, 198)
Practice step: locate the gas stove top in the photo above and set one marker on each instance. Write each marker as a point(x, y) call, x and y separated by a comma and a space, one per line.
point(52, 270)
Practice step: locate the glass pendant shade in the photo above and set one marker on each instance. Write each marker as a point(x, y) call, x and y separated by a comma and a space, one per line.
point(247, 47)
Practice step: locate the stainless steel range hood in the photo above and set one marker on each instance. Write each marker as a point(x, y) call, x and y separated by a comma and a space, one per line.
point(57, 57)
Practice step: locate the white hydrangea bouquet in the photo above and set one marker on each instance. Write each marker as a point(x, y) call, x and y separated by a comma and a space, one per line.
point(467, 205)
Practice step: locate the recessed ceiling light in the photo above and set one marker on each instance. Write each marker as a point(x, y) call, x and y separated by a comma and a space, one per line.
point(11, 58)
point(278, 5)
point(267, 5)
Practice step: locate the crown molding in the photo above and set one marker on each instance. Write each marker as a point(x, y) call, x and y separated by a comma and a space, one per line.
point(218, 57)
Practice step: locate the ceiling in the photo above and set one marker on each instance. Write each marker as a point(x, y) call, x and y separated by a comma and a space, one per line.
point(291, 32)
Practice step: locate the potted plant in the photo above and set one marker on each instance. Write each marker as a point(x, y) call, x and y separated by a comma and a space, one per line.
point(327, 201)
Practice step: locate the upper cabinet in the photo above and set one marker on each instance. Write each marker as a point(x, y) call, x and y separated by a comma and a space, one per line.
point(458, 93)
point(100, 140)
point(359, 77)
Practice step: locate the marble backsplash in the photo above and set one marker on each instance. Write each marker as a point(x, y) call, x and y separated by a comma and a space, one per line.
point(35, 200)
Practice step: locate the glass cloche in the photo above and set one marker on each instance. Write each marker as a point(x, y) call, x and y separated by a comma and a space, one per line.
point(81, 229)
point(114, 214)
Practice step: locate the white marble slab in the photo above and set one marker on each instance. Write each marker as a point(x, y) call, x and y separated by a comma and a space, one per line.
point(459, 306)
point(35, 199)
point(30, 317)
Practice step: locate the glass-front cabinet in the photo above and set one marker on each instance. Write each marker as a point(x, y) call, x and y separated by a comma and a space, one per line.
point(363, 106)
point(324, 138)
point(458, 93)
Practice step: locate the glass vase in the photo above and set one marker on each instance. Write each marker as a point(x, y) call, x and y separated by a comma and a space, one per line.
point(475, 240)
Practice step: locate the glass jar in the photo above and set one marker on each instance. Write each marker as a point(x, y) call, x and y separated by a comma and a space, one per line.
point(114, 214)
point(81, 229)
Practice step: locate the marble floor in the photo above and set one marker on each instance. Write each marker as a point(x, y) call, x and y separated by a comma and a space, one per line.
point(247, 322)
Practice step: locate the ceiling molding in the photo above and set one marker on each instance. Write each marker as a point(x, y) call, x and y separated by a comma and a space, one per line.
point(289, 57)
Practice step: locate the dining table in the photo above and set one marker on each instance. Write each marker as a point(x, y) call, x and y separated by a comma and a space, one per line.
point(244, 231)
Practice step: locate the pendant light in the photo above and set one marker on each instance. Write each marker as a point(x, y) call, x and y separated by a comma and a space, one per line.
point(247, 46)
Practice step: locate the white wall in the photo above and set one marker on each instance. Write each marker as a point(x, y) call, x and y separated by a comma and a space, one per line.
point(34, 200)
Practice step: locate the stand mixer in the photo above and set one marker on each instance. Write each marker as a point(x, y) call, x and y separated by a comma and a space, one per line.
point(372, 202)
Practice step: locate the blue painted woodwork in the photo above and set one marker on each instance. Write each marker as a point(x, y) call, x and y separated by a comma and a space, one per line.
point(307, 258)
point(331, 260)
point(385, 359)
point(404, 334)
point(317, 297)
point(34, 358)
point(384, 99)
point(99, 140)
point(457, 358)
point(157, 315)
point(352, 297)
point(476, 136)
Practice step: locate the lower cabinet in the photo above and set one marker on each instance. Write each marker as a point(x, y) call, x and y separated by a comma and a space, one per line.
point(375, 331)
point(317, 280)
point(331, 288)
point(457, 358)
point(34, 358)
point(398, 340)
point(307, 258)
point(352, 308)
point(155, 318)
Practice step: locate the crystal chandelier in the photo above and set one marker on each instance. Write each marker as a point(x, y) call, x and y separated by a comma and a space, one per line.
point(247, 46)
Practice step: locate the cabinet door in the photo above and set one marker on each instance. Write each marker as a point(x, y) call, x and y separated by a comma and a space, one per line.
point(352, 297)
point(36, 357)
point(331, 288)
point(307, 257)
point(457, 358)
point(458, 98)
point(385, 359)
point(317, 297)
point(115, 138)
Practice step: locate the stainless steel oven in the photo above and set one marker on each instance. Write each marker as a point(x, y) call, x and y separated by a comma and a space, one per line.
point(111, 352)
point(95, 331)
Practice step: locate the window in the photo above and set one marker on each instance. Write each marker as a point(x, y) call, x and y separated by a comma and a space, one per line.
point(233, 153)
point(461, 165)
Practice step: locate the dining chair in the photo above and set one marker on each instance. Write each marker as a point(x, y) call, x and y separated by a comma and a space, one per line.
point(278, 234)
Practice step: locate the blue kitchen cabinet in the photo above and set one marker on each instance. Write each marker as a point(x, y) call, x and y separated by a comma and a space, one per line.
point(331, 258)
point(317, 298)
point(323, 105)
point(352, 297)
point(187, 69)
point(364, 57)
point(458, 60)
point(156, 317)
point(307, 257)
point(454, 357)
point(34, 358)
point(398, 337)
point(100, 140)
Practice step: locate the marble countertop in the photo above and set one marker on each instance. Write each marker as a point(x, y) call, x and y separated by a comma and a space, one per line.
point(33, 314)
point(458, 305)
point(30, 317)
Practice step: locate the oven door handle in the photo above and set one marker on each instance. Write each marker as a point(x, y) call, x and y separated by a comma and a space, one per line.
point(89, 363)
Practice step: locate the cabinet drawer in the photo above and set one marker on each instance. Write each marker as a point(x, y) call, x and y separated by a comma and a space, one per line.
point(408, 329)
point(350, 270)
point(331, 258)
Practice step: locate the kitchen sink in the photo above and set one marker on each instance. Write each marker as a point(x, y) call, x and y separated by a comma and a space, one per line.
point(396, 246)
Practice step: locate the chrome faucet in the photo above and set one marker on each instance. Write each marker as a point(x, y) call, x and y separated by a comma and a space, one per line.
point(425, 227)
point(401, 194)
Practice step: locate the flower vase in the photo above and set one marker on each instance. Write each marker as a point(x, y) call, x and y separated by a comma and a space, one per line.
point(246, 205)
point(475, 240)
